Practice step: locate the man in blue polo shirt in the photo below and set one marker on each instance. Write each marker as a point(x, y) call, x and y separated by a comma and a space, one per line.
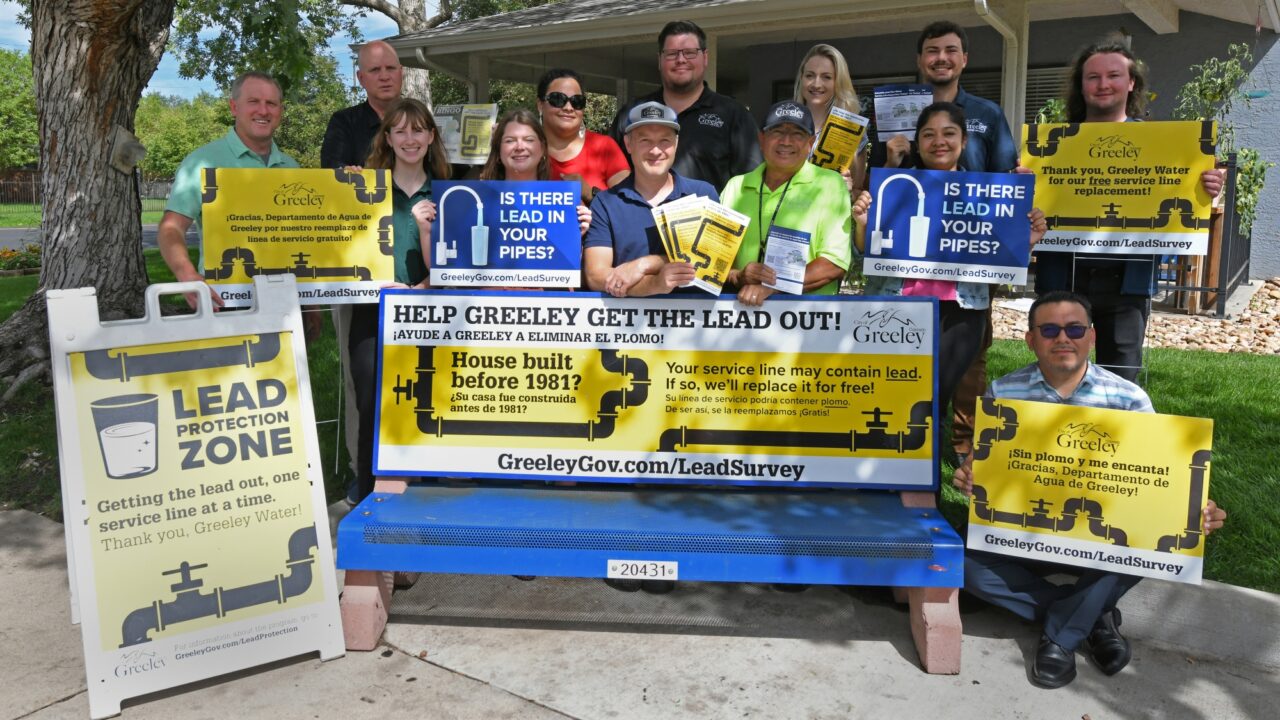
point(255, 106)
point(622, 253)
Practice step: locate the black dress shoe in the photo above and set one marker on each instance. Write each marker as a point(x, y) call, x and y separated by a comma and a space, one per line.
point(1054, 665)
point(1108, 648)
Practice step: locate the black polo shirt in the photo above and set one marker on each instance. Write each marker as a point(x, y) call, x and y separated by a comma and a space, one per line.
point(349, 137)
point(718, 137)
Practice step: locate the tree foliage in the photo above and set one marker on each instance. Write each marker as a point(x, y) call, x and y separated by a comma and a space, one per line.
point(19, 138)
point(170, 127)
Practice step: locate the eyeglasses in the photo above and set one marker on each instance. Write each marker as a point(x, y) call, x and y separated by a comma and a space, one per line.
point(687, 53)
point(1050, 331)
point(558, 99)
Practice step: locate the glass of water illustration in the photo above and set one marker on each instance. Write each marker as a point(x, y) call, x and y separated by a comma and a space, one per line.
point(126, 426)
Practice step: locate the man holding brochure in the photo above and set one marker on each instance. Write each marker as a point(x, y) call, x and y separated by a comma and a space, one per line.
point(1081, 613)
point(622, 253)
point(793, 202)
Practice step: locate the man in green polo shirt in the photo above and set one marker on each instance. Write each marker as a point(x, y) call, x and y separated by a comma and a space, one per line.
point(787, 196)
point(255, 105)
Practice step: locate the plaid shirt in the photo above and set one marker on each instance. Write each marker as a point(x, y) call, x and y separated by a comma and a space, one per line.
point(1099, 388)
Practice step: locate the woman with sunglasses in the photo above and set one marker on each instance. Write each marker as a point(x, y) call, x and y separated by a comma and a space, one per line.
point(823, 82)
point(518, 151)
point(409, 144)
point(574, 152)
point(940, 139)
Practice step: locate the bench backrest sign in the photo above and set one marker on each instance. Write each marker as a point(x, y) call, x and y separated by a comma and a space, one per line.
point(330, 229)
point(688, 390)
point(197, 529)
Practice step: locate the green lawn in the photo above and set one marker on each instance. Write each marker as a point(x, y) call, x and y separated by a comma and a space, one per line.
point(1239, 392)
point(16, 215)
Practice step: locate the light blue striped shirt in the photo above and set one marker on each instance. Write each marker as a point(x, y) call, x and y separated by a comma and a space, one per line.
point(1099, 388)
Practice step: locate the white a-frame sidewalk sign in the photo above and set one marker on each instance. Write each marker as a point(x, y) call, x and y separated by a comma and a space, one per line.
point(198, 542)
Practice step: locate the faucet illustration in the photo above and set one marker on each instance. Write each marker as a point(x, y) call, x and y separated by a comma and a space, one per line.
point(479, 233)
point(919, 233)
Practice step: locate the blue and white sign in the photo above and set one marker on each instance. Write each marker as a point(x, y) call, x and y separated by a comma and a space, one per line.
point(497, 233)
point(960, 226)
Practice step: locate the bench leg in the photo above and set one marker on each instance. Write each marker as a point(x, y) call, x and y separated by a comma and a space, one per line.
point(397, 486)
point(366, 599)
point(935, 627)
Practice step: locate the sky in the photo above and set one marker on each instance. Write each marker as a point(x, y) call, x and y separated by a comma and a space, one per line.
point(166, 79)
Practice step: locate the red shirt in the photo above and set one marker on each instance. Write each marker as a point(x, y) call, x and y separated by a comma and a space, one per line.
point(599, 160)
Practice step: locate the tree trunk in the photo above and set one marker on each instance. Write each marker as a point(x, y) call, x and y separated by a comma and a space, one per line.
point(417, 81)
point(91, 61)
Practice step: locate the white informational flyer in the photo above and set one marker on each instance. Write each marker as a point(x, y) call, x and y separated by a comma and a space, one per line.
point(787, 252)
point(898, 107)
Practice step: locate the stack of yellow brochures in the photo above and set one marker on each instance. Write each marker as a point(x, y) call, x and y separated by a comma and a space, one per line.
point(701, 231)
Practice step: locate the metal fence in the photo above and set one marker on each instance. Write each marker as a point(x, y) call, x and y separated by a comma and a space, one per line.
point(20, 200)
point(1204, 282)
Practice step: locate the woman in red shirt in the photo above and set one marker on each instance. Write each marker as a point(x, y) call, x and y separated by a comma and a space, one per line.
point(576, 153)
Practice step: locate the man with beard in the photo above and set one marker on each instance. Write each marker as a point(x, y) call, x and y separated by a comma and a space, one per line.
point(717, 134)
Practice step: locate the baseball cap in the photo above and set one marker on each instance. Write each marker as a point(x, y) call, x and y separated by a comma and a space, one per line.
point(788, 111)
point(653, 113)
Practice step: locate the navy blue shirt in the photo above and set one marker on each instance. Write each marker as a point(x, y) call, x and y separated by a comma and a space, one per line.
point(623, 220)
point(990, 147)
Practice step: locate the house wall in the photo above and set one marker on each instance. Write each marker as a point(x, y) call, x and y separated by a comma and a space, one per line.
point(1053, 43)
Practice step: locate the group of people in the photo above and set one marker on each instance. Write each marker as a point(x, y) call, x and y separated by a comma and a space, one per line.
point(685, 139)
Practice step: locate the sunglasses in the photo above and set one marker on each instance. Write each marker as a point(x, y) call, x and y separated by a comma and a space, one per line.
point(557, 100)
point(1050, 331)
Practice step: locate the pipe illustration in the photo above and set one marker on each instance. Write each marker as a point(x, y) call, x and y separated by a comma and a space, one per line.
point(826, 157)
point(1208, 143)
point(682, 257)
point(120, 365)
point(210, 185)
point(1054, 136)
point(1039, 516)
point(918, 234)
point(189, 603)
point(989, 436)
point(356, 180)
point(300, 267)
point(611, 403)
point(876, 437)
point(1111, 218)
point(1189, 540)
point(704, 260)
point(479, 233)
point(385, 226)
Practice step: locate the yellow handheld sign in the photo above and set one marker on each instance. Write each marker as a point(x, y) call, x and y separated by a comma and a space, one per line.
point(328, 228)
point(1122, 188)
point(1089, 487)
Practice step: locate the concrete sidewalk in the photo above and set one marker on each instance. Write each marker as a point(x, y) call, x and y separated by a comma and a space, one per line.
point(496, 647)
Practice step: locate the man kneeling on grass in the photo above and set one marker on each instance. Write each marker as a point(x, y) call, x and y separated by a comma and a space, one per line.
point(1060, 333)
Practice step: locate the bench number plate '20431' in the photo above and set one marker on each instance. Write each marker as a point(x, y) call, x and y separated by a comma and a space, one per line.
point(643, 569)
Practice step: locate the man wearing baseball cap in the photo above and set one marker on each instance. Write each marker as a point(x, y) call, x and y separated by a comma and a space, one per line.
point(788, 195)
point(622, 253)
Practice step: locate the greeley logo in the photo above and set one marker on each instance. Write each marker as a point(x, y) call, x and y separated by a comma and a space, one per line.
point(887, 326)
point(976, 126)
point(711, 119)
point(790, 111)
point(297, 194)
point(1114, 146)
point(651, 112)
point(138, 661)
point(1087, 436)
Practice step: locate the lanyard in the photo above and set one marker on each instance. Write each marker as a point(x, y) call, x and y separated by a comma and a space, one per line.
point(764, 239)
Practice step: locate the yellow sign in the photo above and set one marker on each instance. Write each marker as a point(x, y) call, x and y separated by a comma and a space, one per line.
point(840, 139)
point(466, 131)
point(329, 228)
point(677, 389)
point(194, 451)
point(1090, 487)
point(1122, 188)
point(702, 232)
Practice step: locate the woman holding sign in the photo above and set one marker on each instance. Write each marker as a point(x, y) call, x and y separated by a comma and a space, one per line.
point(518, 151)
point(940, 140)
point(409, 145)
point(823, 82)
point(574, 152)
